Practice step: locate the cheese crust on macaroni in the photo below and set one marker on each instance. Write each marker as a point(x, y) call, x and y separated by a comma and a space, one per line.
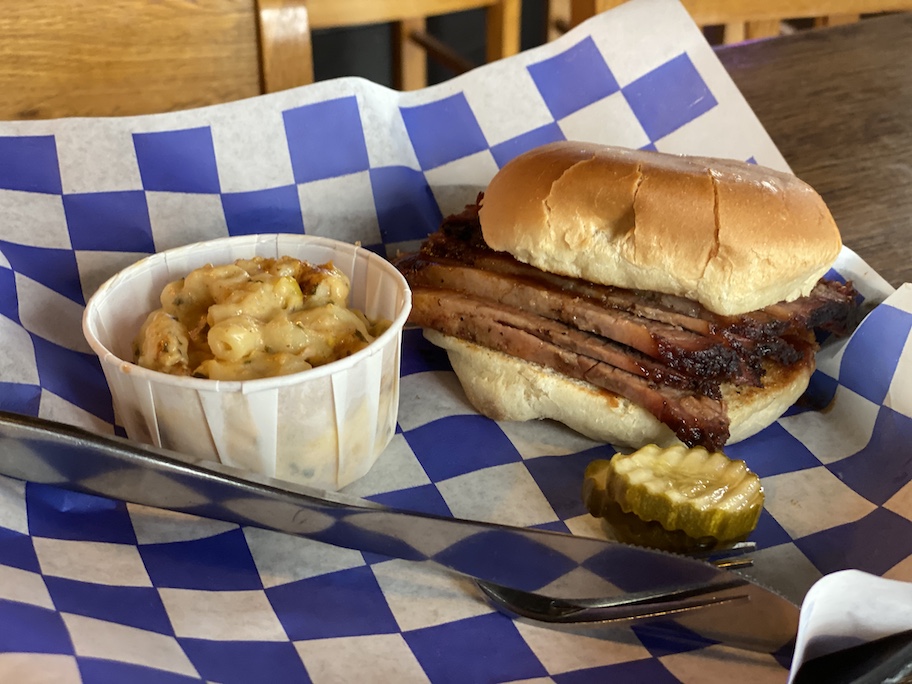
point(254, 318)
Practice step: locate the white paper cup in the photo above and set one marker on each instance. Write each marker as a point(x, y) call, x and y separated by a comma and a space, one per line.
point(323, 427)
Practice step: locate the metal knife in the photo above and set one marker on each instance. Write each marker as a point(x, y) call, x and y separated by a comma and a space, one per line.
point(561, 565)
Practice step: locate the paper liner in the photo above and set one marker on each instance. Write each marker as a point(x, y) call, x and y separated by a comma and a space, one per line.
point(324, 427)
point(81, 199)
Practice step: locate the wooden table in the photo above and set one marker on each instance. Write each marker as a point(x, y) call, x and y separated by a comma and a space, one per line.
point(838, 104)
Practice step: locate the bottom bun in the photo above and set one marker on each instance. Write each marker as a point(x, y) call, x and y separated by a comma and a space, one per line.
point(504, 387)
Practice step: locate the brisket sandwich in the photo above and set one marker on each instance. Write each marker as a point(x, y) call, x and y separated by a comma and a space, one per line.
point(636, 297)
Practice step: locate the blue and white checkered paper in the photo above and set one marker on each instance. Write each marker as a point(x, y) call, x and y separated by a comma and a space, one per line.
point(93, 590)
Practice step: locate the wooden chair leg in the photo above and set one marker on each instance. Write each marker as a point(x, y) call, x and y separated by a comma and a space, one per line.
point(503, 22)
point(580, 10)
point(286, 51)
point(836, 19)
point(442, 53)
point(409, 59)
point(558, 18)
point(734, 32)
point(762, 29)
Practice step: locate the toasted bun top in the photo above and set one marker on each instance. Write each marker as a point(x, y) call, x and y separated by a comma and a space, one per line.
point(733, 236)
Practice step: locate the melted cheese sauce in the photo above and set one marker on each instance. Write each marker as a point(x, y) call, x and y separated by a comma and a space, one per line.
point(254, 318)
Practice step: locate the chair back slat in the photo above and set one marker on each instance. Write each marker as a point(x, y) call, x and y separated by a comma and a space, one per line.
point(120, 57)
point(64, 58)
point(742, 19)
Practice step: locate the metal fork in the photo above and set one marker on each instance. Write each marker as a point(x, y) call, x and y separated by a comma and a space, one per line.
point(738, 612)
point(628, 607)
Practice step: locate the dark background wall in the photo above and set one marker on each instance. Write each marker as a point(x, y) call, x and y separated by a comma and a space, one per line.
point(365, 50)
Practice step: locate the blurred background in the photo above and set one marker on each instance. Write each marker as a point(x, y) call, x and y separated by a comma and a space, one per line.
point(366, 50)
point(120, 57)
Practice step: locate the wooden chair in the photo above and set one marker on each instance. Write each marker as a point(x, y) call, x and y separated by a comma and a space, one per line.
point(742, 19)
point(120, 57)
point(411, 42)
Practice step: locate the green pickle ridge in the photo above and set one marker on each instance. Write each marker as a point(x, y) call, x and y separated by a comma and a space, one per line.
point(677, 498)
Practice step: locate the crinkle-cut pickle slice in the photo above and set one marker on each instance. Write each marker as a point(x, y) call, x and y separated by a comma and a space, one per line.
point(711, 498)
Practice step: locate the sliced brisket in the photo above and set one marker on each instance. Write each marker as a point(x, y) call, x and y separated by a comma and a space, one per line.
point(663, 352)
point(680, 349)
point(695, 418)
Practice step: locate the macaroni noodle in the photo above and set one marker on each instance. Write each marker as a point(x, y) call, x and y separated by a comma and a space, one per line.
point(254, 318)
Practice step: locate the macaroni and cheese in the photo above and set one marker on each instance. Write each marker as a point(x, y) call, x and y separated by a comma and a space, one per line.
point(254, 318)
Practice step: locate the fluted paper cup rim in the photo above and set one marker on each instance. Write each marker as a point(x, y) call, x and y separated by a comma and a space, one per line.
point(109, 287)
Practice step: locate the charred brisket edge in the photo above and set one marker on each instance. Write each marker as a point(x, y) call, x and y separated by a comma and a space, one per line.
point(675, 395)
point(696, 419)
point(686, 352)
point(460, 239)
point(584, 343)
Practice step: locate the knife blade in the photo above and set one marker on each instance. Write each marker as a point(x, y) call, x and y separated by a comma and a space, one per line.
point(561, 565)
